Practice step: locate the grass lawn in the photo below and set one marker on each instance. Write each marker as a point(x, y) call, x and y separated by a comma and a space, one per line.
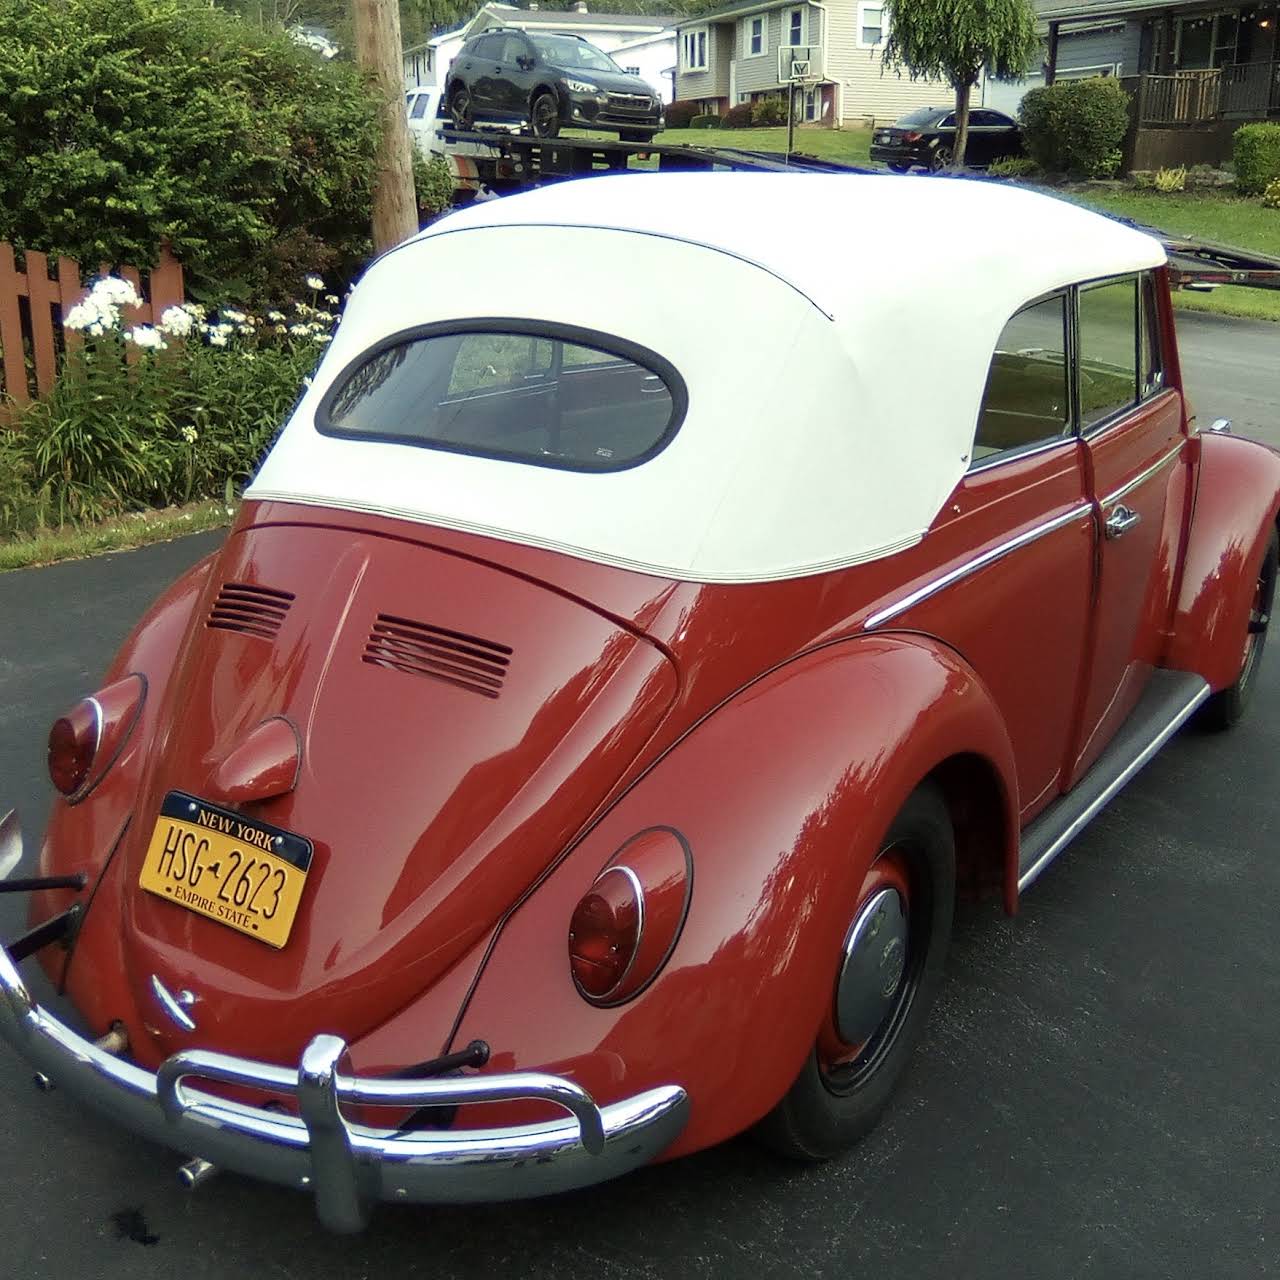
point(1226, 219)
point(848, 146)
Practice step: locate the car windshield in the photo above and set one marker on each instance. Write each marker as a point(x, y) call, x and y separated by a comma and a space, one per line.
point(922, 115)
point(565, 51)
point(527, 397)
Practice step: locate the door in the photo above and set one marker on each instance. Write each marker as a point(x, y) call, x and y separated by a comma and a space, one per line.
point(1133, 430)
point(516, 83)
point(482, 71)
point(733, 82)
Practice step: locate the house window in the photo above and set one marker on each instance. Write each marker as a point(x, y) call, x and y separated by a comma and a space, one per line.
point(873, 26)
point(1208, 40)
point(811, 104)
point(694, 50)
point(793, 27)
point(632, 71)
point(755, 37)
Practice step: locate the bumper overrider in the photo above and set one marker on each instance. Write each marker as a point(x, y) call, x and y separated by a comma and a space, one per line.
point(348, 1167)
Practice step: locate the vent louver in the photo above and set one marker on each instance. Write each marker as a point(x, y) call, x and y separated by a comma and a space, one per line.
point(420, 649)
point(253, 611)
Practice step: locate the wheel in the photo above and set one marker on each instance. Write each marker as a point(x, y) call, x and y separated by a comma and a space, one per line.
point(544, 115)
point(1224, 708)
point(890, 967)
point(941, 159)
point(899, 168)
point(460, 108)
point(635, 135)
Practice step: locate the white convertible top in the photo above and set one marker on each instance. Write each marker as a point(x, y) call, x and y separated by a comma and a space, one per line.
point(833, 332)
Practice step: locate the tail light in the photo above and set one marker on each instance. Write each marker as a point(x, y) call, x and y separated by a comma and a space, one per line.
point(88, 740)
point(912, 137)
point(626, 925)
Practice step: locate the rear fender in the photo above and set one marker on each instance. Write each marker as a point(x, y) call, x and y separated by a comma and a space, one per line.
point(1236, 502)
point(783, 794)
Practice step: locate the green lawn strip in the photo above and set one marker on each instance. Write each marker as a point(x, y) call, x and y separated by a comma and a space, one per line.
point(848, 146)
point(135, 530)
point(1227, 300)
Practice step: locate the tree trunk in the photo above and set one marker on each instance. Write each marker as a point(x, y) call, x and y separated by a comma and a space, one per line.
point(378, 51)
point(962, 125)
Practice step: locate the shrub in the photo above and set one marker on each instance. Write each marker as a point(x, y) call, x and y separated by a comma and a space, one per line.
point(768, 112)
point(1256, 151)
point(433, 184)
point(679, 114)
point(705, 122)
point(1271, 196)
point(125, 122)
point(1076, 126)
point(738, 117)
point(1013, 167)
point(1168, 181)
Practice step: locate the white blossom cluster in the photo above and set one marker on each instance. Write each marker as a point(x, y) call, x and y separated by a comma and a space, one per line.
point(100, 310)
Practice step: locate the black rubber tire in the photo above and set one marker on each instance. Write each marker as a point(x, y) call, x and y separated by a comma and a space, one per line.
point(1225, 708)
point(461, 110)
point(900, 168)
point(635, 135)
point(544, 123)
point(812, 1122)
point(940, 159)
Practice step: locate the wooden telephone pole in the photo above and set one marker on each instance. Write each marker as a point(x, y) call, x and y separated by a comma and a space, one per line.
point(378, 51)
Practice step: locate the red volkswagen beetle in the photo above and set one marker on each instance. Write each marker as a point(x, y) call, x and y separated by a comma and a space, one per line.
point(659, 609)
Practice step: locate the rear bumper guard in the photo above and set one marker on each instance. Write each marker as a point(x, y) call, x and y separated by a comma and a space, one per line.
point(346, 1166)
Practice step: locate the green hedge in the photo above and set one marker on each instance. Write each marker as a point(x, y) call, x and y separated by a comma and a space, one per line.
point(125, 122)
point(679, 114)
point(1256, 151)
point(738, 117)
point(705, 122)
point(769, 112)
point(1076, 126)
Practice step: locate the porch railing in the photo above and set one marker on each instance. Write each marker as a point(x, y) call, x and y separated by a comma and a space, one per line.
point(1186, 97)
point(1250, 89)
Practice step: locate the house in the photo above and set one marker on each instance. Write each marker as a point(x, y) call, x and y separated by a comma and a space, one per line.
point(633, 39)
point(742, 52)
point(1196, 71)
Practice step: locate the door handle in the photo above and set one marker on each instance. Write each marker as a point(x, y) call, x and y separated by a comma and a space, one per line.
point(1120, 521)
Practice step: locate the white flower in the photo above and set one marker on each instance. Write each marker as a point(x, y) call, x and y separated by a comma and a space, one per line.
point(236, 317)
point(194, 310)
point(244, 328)
point(276, 316)
point(96, 329)
point(332, 299)
point(177, 322)
point(306, 382)
point(115, 292)
point(81, 316)
point(314, 282)
point(147, 338)
point(322, 338)
point(300, 330)
point(190, 435)
point(216, 339)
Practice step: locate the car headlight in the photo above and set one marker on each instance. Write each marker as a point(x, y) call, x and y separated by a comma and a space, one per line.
point(582, 86)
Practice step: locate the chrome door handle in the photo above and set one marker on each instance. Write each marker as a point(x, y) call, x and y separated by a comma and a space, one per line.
point(1120, 521)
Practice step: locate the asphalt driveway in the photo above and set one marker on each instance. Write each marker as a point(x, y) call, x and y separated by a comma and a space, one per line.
point(1096, 1096)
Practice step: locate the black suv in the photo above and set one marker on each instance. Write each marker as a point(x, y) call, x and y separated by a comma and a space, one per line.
point(545, 82)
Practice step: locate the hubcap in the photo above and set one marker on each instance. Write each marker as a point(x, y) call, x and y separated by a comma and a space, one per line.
point(875, 958)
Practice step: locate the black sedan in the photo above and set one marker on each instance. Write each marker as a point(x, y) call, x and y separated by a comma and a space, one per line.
point(927, 137)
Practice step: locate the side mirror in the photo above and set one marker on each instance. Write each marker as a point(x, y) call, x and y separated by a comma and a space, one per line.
point(526, 63)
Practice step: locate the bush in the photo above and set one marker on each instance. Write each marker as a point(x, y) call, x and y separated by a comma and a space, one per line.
point(738, 117)
point(1076, 126)
point(768, 112)
point(1013, 167)
point(188, 418)
point(705, 122)
point(1256, 151)
point(125, 122)
point(1271, 196)
point(679, 114)
point(433, 184)
point(1167, 181)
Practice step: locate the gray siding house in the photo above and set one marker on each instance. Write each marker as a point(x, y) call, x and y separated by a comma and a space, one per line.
point(741, 52)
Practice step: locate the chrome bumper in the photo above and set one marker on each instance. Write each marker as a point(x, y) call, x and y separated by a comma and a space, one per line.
point(349, 1167)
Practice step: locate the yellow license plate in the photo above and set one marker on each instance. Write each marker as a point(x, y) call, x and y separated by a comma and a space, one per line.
point(235, 870)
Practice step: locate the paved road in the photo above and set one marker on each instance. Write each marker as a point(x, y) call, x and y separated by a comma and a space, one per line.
point(1096, 1096)
point(1232, 370)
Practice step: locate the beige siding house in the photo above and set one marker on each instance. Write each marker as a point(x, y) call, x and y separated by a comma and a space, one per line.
point(741, 52)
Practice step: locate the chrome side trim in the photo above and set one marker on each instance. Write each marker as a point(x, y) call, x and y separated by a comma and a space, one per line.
point(171, 1005)
point(638, 889)
point(989, 556)
point(1017, 455)
point(1182, 712)
point(1143, 476)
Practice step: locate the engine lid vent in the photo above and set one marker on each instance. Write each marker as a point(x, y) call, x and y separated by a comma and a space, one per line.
point(253, 611)
point(420, 649)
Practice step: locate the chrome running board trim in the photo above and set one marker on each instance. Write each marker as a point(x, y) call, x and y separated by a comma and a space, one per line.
point(1166, 704)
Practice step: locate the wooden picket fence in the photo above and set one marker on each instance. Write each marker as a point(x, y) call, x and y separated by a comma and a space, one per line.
point(34, 304)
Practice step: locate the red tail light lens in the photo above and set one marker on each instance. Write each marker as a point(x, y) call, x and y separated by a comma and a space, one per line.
point(73, 744)
point(88, 740)
point(625, 928)
point(912, 137)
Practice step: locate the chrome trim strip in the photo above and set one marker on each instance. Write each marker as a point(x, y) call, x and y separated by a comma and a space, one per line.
point(1017, 455)
point(1073, 829)
point(638, 889)
point(349, 1166)
point(978, 562)
point(1143, 476)
point(171, 1006)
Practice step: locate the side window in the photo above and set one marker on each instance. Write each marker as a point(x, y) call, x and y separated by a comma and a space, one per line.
point(1152, 370)
point(488, 49)
point(1026, 400)
point(420, 104)
point(1108, 349)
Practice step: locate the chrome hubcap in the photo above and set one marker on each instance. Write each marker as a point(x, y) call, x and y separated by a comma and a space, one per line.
point(875, 959)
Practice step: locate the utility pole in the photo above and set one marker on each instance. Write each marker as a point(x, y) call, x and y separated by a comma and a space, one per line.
point(378, 51)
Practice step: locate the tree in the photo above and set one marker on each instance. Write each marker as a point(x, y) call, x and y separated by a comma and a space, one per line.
point(953, 40)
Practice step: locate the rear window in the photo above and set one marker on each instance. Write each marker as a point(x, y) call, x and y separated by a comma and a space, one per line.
point(549, 397)
point(921, 116)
